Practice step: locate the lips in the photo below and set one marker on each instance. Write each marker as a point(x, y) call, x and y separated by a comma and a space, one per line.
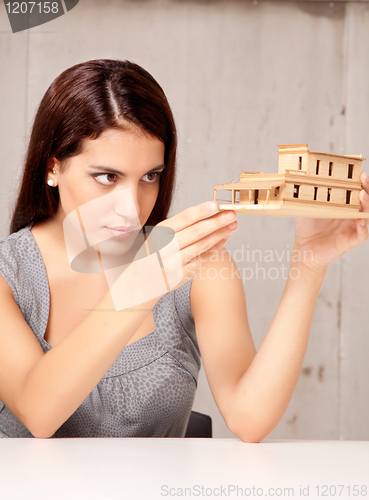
point(121, 231)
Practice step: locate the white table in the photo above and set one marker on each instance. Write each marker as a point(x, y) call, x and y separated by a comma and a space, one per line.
point(142, 468)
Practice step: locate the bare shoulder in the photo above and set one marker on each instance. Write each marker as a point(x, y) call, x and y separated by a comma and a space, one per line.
point(15, 334)
point(217, 280)
point(5, 290)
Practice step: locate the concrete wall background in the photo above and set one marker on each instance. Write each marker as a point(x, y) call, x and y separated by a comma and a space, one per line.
point(241, 77)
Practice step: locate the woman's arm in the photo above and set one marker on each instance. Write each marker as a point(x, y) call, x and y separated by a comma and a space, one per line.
point(43, 390)
point(278, 362)
point(252, 390)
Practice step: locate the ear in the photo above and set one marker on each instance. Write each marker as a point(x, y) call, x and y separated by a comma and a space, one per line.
point(53, 168)
point(53, 165)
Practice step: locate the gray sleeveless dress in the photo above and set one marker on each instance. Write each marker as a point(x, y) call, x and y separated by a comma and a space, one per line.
point(147, 392)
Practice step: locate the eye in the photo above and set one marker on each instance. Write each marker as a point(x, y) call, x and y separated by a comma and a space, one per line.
point(105, 179)
point(152, 177)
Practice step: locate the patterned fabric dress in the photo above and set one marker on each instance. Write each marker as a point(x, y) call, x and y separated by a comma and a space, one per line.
point(147, 392)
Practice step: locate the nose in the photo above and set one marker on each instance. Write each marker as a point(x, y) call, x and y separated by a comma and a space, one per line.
point(126, 206)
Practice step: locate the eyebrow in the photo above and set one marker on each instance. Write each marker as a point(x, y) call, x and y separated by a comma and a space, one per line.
point(112, 170)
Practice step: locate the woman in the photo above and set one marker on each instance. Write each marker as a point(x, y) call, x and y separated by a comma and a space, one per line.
point(70, 363)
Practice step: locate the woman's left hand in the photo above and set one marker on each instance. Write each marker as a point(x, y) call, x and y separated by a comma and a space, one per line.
point(322, 241)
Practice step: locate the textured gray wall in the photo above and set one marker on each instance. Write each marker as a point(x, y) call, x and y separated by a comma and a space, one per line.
point(241, 77)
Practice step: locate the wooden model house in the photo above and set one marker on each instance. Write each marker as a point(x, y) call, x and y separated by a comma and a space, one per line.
point(308, 184)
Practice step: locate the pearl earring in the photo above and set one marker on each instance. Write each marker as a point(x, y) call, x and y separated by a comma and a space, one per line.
point(50, 182)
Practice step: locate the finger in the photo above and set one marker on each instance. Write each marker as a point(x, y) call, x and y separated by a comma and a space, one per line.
point(361, 232)
point(205, 244)
point(191, 215)
point(364, 200)
point(365, 181)
point(360, 235)
point(205, 256)
point(193, 266)
point(206, 227)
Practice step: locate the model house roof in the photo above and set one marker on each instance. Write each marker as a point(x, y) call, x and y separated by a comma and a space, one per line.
point(305, 146)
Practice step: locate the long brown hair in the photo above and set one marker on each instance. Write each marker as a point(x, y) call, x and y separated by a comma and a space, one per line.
point(81, 103)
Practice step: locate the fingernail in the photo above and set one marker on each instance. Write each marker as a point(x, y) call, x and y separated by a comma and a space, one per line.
point(362, 222)
point(230, 215)
point(366, 177)
point(233, 225)
point(212, 206)
point(366, 196)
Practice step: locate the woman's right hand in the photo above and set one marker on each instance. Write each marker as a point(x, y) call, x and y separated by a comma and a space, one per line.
point(200, 230)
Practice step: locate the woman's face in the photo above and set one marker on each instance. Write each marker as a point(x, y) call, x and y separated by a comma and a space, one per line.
point(109, 191)
point(117, 160)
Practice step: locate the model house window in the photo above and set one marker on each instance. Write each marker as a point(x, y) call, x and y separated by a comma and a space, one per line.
point(277, 191)
point(350, 170)
point(348, 197)
point(315, 193)
point(330, 168)
point(300, 162)
point(317, 167)
point(296, 189)
point(256, 196)
point(329, 194)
